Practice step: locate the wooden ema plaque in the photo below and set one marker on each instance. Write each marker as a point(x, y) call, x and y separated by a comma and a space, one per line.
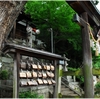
point(34, 66)
point(36, 75)
point(22, 75)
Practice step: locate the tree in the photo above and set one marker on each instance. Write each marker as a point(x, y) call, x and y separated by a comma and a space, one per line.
point(58, 16)
point(9, 11)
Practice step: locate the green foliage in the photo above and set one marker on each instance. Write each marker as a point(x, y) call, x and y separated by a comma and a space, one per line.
point(71, 69)
point(96, 63)
point(97, 85)
point(97, 88)
point(81, 79)
point(58, 16)
point(4, 75)
point(29, 94)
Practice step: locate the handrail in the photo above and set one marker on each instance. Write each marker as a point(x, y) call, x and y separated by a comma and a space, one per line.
point(71, 88)
point(73, 84)
point(81, 90)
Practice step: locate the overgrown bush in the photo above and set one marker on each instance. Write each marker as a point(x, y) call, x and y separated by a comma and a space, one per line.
point(29, 94)
point(97, 88)
point(4, 75)
point(96, 63)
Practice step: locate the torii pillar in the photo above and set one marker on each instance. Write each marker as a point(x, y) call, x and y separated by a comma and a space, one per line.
point(87, 56)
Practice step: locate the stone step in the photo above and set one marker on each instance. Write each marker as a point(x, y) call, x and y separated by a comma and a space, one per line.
point(67, 92)
point(63, 86)
point(65, 89)
point(70, 95)
point(64, 96)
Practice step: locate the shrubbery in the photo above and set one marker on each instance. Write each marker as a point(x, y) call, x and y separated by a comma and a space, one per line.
point(4, 75)
point(29, 94)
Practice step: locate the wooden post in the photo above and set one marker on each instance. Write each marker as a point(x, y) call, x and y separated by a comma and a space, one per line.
point(59, 79)
point(57, 87)
point(87, 56)
point(16, 76)
point(87, 60)
point(55, 94)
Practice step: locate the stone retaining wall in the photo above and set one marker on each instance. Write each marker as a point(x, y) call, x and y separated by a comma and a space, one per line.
point(6, 89)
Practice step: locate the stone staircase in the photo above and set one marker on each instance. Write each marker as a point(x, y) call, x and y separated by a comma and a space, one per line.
point(70, 89)
point(66, 92)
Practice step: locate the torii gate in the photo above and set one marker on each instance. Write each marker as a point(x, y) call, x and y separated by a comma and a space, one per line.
point(87, 14)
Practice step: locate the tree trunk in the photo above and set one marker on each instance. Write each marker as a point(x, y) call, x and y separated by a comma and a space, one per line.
point(9, 11)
